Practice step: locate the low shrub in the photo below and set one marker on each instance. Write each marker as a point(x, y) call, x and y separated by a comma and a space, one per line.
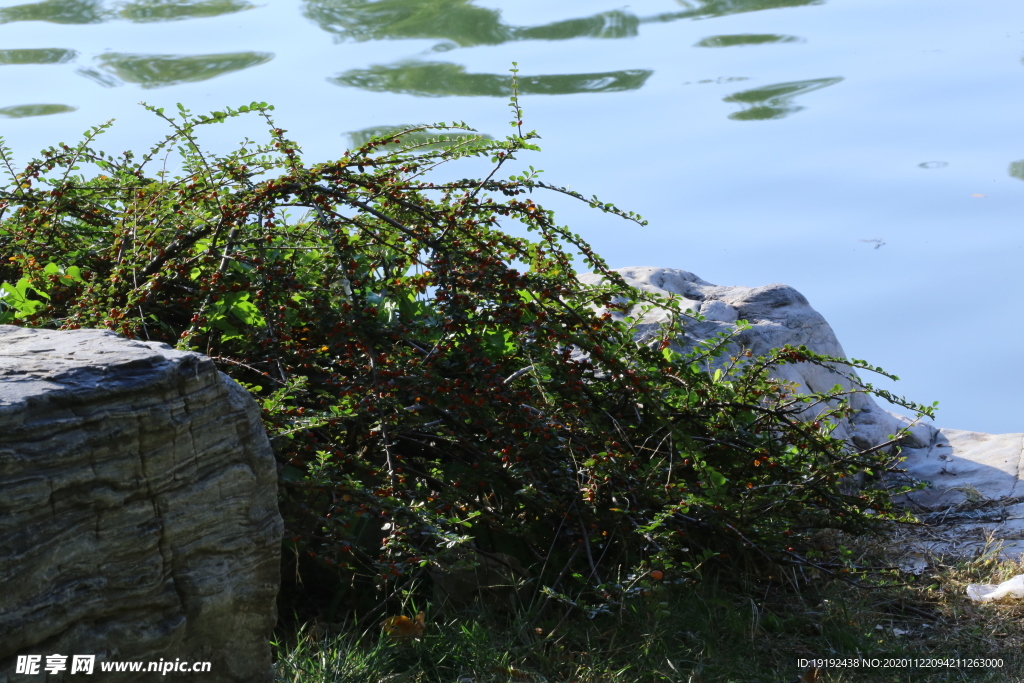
point(428, 380)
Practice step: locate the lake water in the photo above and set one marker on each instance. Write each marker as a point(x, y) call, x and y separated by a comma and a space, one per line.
point(868, 153)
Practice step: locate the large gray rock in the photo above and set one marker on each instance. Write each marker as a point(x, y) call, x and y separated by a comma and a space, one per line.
point(138, 509)
point(778, 315)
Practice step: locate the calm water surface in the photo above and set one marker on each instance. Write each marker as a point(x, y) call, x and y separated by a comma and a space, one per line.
point(868, 153)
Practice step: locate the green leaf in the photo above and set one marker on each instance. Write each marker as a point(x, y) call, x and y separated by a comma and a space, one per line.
point(245, 310)
point(716, 478)
point(16, 296)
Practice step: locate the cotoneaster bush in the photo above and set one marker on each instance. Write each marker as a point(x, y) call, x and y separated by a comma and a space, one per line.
point(426, 378)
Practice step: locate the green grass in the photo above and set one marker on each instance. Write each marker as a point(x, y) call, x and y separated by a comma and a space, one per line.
point(696, 632)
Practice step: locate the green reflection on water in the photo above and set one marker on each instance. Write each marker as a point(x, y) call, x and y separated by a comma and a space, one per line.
point(24, 110)
point(454, 20)
point(157, 71)
point(93, 11)
point(614, 24)
point(775, 101)
point(43, 55)
point(440, 79)
point(171, 10)
point(701, 9)
point(457, 21)
point(57, 12)
point(464, 24)
point(745, 39)
point(433, 139)
point(1017, 169)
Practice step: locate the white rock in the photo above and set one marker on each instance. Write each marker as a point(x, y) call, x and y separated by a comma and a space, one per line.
point(974, 502)
point(778, 315)
point(966, 467)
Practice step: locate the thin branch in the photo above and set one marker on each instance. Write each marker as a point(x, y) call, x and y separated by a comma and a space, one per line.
point(517, 374)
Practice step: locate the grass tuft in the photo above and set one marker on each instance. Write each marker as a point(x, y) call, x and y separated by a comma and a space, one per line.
point(722, 628)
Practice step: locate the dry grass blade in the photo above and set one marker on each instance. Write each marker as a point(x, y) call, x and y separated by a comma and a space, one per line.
point(812, 675)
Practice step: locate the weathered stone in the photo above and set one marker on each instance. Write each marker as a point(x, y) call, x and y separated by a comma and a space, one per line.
point(974, 501)
point(138, 508)
point(966, 467)
point(778, 315)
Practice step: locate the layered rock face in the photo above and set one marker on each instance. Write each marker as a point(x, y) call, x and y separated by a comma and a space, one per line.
point(975, 496)
point(138, 509)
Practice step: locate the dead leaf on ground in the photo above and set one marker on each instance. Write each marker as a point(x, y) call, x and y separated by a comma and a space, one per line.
point(812, 675)
point(404, 628)
point(517, 674)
